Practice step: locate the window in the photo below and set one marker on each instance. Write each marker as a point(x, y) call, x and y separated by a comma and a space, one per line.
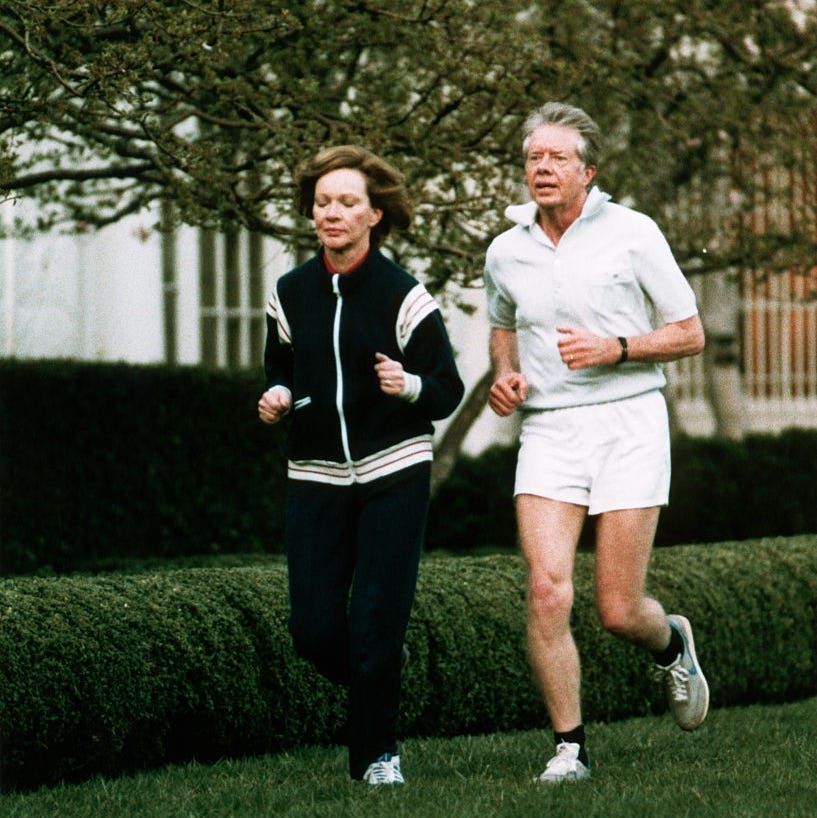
point(232, 298)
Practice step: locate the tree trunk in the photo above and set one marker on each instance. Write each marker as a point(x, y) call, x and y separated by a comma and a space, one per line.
point(447, 449)
point(671, 399)
point(723, 377)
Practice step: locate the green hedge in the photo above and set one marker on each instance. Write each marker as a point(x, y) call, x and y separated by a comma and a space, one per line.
point(117, 673)
point(765, 485)
point(104, 462)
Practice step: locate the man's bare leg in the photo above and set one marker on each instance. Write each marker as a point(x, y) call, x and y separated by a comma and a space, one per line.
point(623, 546)
point(549, 532)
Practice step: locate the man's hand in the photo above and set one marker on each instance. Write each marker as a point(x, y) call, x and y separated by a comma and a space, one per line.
point(581, 349)
point(508, 392)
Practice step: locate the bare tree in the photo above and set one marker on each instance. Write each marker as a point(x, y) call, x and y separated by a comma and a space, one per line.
point(106, 108)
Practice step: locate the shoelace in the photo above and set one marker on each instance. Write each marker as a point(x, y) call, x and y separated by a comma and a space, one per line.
point(678, 683)
point(564, 759)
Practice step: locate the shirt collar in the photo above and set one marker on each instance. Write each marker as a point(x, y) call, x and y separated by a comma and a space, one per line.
point(525, 214)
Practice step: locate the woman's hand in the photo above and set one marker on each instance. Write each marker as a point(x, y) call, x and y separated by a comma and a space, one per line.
point(391, 374)
point(274, 404)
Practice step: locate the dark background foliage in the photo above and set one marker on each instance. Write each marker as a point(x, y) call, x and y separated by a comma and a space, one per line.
point(764, 485)
point(100, 464)
point(107, 462)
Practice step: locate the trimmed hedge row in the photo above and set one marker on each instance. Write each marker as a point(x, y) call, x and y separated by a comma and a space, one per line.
point(104, 462)
point(116, 673)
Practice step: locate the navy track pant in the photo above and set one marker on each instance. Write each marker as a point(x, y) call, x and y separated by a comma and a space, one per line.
point(353, 554)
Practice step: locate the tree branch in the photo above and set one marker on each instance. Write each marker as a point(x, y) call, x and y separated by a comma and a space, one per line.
point(73, 175)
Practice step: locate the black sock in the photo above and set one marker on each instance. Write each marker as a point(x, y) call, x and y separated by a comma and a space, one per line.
point(672, 651)
point(575, 736)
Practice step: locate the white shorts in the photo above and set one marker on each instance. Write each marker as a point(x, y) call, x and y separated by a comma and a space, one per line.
point(605, 456)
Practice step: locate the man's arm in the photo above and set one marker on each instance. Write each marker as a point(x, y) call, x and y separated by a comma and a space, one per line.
point(510, 386)
point(581, 349)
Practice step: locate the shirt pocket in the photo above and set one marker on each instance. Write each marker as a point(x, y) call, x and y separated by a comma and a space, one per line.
point(617, 294)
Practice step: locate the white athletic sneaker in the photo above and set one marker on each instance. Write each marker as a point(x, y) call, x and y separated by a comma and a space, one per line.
point(564, 766)
point(687, 690)
point(386, 770)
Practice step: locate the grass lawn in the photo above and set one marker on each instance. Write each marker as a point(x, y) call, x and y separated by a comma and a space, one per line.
point(752, 761)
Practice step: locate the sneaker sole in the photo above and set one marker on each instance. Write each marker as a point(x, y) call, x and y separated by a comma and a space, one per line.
point(683, 624)
point(570, 778)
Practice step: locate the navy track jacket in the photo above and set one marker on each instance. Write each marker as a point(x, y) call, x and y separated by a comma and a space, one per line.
point(323, 331)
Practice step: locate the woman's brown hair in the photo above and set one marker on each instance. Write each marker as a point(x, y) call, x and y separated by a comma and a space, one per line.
point(385, 185)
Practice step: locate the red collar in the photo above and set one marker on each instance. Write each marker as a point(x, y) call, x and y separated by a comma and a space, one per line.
point(333, 271)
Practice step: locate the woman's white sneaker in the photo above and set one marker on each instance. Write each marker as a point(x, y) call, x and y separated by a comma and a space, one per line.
point(385, 770)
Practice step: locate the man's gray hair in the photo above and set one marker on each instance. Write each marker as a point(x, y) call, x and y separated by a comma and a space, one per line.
point(558, 113)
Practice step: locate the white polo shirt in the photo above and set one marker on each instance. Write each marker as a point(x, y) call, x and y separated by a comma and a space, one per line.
point(612, 273)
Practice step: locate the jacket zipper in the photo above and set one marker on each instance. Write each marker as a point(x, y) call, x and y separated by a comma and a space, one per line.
point(344, 432)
